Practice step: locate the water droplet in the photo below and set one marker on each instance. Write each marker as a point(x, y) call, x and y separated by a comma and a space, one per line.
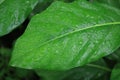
point(27, 1)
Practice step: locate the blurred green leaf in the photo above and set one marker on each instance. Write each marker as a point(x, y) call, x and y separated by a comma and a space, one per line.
point(10, 73)
point(115, 56)
point(13, 13)
point(1, 1)
point(114, 3)
point(67, 36)
point(93, 71)
point(5, 51)
point(116, 73)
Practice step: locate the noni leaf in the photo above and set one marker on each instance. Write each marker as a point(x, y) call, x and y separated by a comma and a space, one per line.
point(68, 35)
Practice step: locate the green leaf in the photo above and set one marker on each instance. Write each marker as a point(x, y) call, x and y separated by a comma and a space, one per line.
point(92, 71)
point(116, 73)
point(115, 56)
point(1, 1)
point(13, 13)
point(43, 4)
point(114, 3)
point(5, 51)
point(67, 36)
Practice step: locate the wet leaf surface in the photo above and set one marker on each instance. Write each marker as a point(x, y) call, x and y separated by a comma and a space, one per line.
point(68, 35)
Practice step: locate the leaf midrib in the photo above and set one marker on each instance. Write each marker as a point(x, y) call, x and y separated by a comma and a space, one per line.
point(78, 30)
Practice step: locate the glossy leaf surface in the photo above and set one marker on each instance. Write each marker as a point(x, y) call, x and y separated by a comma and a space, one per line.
point(13, 13)
point(116, 73)
point(67, 36)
